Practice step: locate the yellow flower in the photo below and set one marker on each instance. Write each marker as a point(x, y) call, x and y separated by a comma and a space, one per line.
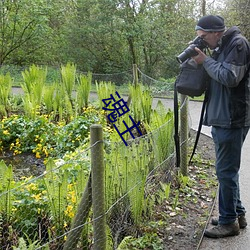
point(73, 199)
point(45, 151)
point(14, 209)
point(31, 187)
point(38, 156)
point(6, 132)
point(69, 211)
point(37, 196)
point(16, 152)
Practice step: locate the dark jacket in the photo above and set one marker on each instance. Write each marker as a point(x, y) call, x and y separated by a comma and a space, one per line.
point(228, 103)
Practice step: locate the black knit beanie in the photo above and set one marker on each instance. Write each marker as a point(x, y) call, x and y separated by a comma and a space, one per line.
point(211, 23)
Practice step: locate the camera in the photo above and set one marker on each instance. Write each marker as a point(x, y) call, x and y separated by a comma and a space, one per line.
point(190, 51)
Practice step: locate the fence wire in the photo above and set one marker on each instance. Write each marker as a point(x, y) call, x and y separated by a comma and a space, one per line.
point(48, 203)
point(42, 212)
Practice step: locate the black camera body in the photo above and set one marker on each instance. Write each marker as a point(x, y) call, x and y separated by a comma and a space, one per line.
point(190, 51)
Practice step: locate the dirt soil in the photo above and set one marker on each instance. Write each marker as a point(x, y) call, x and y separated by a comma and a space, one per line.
point(187, 222)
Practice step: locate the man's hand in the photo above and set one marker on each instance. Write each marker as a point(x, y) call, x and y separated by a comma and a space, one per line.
point(200, 58)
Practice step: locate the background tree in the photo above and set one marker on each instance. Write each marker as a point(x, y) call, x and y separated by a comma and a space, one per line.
point(21, 26)
point(237, 12)
point(105, 36)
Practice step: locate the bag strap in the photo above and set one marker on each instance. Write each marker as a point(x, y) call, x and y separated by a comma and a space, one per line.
point(176, 126)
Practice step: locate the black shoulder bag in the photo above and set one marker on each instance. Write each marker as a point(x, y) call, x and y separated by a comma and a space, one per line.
point(191, 81)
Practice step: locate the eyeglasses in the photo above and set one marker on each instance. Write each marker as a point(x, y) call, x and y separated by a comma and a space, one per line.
point(203, 36)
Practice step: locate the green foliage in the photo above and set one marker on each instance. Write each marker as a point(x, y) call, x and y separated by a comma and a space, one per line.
point(68, 74)
point(43, 137)
point(83, 91)
point(162, 125)
point(103, 36)
point(5, 90)
point(6, 184)
point(184, 181)
point(48, 98)
point(56, 183)
point(147, 241)
point(34, 81)
point(23, 25)
point(30, 206)
point(29, 245)
point(125, 172)
point(127, 168)
point(164, 192)
point(104, 90)
point(141, 105)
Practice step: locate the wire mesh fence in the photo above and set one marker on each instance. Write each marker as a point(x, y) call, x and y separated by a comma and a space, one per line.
point(42, 209)
point(55, 210)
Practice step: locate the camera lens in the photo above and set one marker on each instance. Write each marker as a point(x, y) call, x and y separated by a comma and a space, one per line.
point(187, 53)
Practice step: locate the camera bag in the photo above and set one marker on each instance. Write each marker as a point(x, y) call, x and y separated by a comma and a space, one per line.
point(192, 79)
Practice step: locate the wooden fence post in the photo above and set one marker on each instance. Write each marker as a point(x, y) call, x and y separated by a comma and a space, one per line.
point(98, 195)
point(135, 81)
point(184, 135)
point(135, 74)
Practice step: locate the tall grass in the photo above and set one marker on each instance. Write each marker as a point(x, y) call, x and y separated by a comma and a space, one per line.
point(141, 105)
point(33, 86)
point(162, 126)
point(68, 74)
point(126, 172)
point(5, 90)
point(83, 91)
point(104, 90)
point(6, 197)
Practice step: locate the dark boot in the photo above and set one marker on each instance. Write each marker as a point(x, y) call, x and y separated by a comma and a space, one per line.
point(241, 219)
point(221, 231)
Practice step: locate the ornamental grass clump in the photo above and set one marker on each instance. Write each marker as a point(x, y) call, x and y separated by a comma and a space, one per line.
point(5, 91)
point(141, 105)
point(83, 91)
point(34, 80)
point(68, 75)
point(104, 90)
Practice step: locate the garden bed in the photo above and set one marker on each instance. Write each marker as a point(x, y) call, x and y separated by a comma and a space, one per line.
point(178, 222)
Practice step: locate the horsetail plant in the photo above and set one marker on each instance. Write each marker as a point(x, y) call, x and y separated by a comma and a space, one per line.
point(126, 172)
point(162, 126)
point(5, 89)
point(141, 105)
point(6, 184)
point(56, 184)
point(104, 90)
point(83, 90)
point(48, 98)
point(33, 85)
point(68, 74)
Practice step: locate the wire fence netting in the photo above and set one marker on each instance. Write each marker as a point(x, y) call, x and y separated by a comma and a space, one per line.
point(53, 209)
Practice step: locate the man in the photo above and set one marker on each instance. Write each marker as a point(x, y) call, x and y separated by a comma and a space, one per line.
point(228, 112)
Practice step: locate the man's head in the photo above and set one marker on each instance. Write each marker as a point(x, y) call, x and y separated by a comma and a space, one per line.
point(211, 28)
